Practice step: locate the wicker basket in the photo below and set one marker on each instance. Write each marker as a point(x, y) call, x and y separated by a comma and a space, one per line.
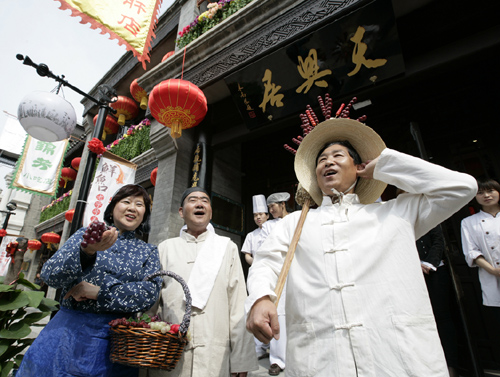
point(147, 348)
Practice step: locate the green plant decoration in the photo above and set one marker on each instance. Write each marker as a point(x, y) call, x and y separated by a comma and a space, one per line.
point(15, 321)
point(216, 13)
point(57, 206)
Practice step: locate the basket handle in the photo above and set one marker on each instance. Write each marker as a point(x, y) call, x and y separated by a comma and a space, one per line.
point(187, 315)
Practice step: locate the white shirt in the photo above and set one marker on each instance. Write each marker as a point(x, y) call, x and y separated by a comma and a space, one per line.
point(357, 303)
point(481, 236)
point(253, 240)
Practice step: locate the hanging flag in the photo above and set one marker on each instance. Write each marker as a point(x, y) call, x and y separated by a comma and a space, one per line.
point(112, 173)
point(131, 22)
point(39, 167)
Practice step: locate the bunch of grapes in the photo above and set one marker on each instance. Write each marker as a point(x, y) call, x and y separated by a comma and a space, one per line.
point(93, 233)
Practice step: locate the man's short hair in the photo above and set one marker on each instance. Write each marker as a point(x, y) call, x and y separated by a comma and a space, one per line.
point(191, 190)
point(352, 152)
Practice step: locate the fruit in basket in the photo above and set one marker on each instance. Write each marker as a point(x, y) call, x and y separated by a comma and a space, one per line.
point(93, 233)
point(147, 322)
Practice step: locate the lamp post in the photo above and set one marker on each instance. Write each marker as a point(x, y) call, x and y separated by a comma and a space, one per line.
point(106, 95)
point(11, 206)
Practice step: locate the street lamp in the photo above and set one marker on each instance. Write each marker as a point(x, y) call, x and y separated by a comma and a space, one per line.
point(107, 95)
point(11, 206)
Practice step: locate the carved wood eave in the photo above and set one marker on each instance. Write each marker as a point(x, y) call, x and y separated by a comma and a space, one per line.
point(257, 29)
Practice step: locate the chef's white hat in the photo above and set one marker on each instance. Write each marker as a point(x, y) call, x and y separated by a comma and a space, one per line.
point(259, 204)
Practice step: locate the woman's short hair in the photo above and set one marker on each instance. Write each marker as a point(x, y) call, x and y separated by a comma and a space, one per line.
point(125, 192)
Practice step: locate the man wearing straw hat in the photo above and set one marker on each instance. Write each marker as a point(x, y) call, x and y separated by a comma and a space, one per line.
point(356, 301)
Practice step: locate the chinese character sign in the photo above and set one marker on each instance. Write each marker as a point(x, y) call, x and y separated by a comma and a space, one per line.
point(39, 167)
point(112, 173)
point(130, 21)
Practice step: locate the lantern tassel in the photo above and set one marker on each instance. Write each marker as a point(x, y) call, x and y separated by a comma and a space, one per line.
point(176, 129)
point(144, 103)
point(121, 119)
point(103, 135)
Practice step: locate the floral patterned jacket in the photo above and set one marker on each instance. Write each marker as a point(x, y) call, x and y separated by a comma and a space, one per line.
point(118, 271)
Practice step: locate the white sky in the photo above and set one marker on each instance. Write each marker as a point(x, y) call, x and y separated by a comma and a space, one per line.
point(39, 29)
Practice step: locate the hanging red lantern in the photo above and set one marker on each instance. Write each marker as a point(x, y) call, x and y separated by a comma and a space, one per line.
point(110, 126)
point(177, 104)
point(3, 232)
point(153, 176)
point(75, 163)
point(167, 55)
point(50, 239)
point(34, 245)
point(139, 94)
point(126, 109)
point(68, 174)
point(69, 215)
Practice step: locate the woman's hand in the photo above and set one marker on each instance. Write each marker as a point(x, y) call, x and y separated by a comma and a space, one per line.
point(83, 291)
point(109, 237)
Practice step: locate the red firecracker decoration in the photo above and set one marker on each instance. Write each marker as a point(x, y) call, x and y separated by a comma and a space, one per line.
point(95, 145)
point(154, 173)
point(11, 248)
point(167, 55)
point(139, 94)
point(75, 163)
point(69, 215)
point(34, 245)
point(177, 104)
point(50, 239)
point(3, 232)
point(68, 174)
point(110, 126)
point(126, 109)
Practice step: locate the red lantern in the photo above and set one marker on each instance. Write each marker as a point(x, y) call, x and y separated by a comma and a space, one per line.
point(69, 215)
point(3, 232)
point(177, 104)
point(68, 174)
point(62, 182)
point(75, 163)
point(167, 55)
point(153, 176)
point(139, 94)
point(110, 126)
point(126, 109)
point(34, 245)
point(51, 238)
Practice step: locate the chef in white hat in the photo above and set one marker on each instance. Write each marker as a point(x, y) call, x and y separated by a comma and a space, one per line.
point(254, 239)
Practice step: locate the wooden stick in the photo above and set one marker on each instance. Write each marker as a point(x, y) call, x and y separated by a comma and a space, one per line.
point(291, 251)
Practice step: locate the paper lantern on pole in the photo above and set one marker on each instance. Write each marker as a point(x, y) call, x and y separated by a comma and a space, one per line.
point(154, 173)
point(50, 239)
point(110, 126)
point(75, 163)
point(177, 104)
point(139, 94)
point(68, 174)
point(46, 116)
point(167, 55)
point(34, 245)
point(70, 213)
point(126, 109)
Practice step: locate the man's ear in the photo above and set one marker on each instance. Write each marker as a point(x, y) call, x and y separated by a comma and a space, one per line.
point(180, 213)
point(360, 167)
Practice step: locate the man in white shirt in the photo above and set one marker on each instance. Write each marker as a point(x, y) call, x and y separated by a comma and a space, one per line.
point(210, 264)
point(356, 304)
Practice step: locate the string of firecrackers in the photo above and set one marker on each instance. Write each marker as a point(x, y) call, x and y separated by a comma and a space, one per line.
point(310, 120)
point(55, 201)
point(133, 27)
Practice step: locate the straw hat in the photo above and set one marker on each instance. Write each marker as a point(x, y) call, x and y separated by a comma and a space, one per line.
point(367, 143)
